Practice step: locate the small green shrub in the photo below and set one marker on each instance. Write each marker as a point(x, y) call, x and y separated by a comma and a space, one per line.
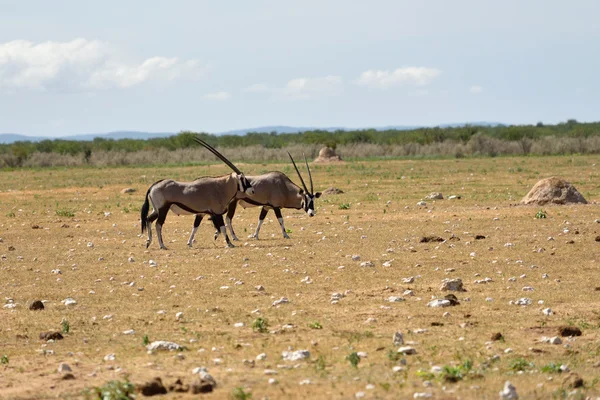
point(541, 214)
point(4, 359)
point(552, 368)
point(65, 213)
point(260, 325)
point(315, 325)
point(344, 206)
point(521, 364)
point(240, 394)
point(65, 326)
point(354, 359)
point(113, 390)
point(146, 340)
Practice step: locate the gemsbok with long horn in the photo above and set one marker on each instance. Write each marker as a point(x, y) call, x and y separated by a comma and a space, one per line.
point(273, 190)
point(203, 196)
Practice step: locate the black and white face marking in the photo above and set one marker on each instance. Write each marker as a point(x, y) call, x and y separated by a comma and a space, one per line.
point(308, 203)
point(244, 185)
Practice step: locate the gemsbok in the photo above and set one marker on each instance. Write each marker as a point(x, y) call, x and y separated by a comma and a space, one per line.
point(273, 190)
point(203, 196)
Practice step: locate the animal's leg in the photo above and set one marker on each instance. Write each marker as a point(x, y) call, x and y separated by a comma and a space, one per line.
point(162, 215)
point(197, 221)
point(280, 219)
point(149, 222)
point(230, 214)
point(218, 221)
point(261, 219)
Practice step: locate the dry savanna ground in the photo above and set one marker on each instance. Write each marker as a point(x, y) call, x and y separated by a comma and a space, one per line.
point(79, 222)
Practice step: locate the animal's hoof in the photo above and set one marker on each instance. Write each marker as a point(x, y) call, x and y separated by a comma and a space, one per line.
point(230, 245)
point(163, 248)
point(286, 236)
point(147, 244)
point(235, 238)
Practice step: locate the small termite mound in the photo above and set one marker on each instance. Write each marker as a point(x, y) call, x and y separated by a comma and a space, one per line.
point(553, 191)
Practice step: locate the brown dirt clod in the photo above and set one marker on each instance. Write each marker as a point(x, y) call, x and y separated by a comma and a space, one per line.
point(497, 336)
point(51, 335)
point(429, 239)
point(565, 331)
point(37, 305)
point(153, 387)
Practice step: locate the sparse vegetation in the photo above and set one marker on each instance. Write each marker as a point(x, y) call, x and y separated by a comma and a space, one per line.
point(4, 359)
point(239, 393)
point(552, 368)
point(315, 325)
point(260, 325)
point(113, 390)
point(65, 326)
point(344, 206)
point(63, 212)
point(541, 214)
point(353, 359)
point(521, 364)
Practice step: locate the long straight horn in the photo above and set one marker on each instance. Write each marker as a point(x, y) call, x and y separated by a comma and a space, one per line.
point(299, 176)
point(216, 153)
point(309, 174)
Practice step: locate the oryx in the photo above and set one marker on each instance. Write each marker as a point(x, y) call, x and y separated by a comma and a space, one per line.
point(273, 190)
point(203, 196)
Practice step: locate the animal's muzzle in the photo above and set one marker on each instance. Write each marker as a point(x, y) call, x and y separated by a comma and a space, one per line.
point(310, 213)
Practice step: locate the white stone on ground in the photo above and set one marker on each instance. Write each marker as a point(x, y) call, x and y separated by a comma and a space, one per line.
point(455, 284)
point(283, 300)
point(439, 303)
point(398, 339)
point(295, 355)
point(509, 392)
point(163, 345)
point(408, 350)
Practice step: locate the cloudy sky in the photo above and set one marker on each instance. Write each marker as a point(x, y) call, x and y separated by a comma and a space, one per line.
point(69, 67)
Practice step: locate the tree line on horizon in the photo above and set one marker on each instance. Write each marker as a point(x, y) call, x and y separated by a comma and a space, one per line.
point(522, 134)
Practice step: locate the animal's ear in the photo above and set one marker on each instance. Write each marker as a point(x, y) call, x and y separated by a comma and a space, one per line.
point(301, 191)
point(318, 194)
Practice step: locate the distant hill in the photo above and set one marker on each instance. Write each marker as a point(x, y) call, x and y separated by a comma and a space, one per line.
point(7, 138)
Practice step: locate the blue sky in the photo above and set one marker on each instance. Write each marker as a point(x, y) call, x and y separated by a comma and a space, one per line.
point(69, 67)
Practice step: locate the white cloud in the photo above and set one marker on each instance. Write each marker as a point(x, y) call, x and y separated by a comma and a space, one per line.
point(83, 64)
point(402, 76)
point(257, 88)
point(218, 96)
point(475, 89)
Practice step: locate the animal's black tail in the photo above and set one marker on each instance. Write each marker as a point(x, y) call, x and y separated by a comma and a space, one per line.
point(146, 208)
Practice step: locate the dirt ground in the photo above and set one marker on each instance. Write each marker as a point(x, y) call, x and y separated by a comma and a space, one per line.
point(78, 222)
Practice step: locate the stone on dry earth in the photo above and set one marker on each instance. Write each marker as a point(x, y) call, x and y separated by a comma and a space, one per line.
point(439, 303)
point(509, 392)
point(283, 300)
point(434, 196)
point(565, 331)
point(64, 368)
point(37, 305)
point(163, 345)
point(407, 350)
point(128, 190)
point(452, 284)
point(398, 339)
point(497, 336)
point(295, 355)
point(179, 387)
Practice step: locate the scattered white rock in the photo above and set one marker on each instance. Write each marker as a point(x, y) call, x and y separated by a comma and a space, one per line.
point(551, 340)
point(110, 357)
point(421, 203)
point(407, 350)
point(527, 289)
point(509, 392)
point(395, 299)
point(355, 257)
point(524, 301)
point(179, 316)
point(439, 303)
point(160, 345)
point(63, 368)
point(152, 263)
point(424, 395)
point(69, 301)
point(295, 355)
point(261, 356)
point(273, 381)
point(283, 300)
point(90, 244)
point(370, 320)
point(239, 325)
point(398, 339)
point(129, 332)
point(547, 311)
point(367, 264)
point(455, 284)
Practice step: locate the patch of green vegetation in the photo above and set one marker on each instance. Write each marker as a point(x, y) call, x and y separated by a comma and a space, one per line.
point(66, 327)
point(239, 393)
point(288, 230)
point(321, 363)
point(146, 340)
point(393, 355)
point(63, 212)
point(10, 214)
point(353, 359)
point(521, 364)
point(113, 390)
point(455, 374)
point(551, 368)
point(344, 206)
point(541, 214)
point(425, 375)
point(260, 325)
point(315, 325)
point(4, 359)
